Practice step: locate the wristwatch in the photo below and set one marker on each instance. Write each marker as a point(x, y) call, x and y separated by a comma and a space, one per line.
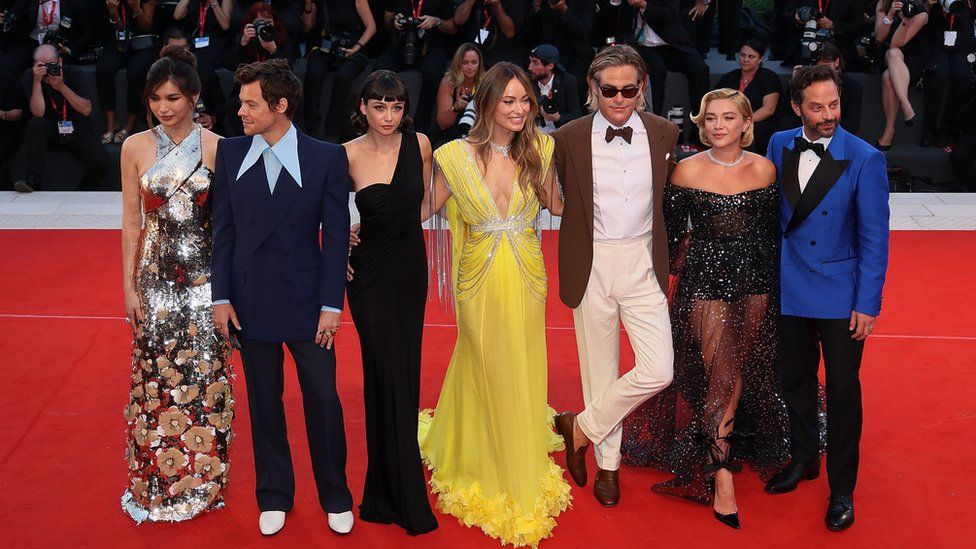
point(886, 20)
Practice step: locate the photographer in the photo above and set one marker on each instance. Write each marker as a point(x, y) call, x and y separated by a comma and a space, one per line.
point(263, 36)
point(557, 90)
point(123, 20)
point(761, 86)
point(62, 119)
point(951, 40)
point(421, 31)
point(964, 148)
point(496, 26)
point(338, 30)
point(654, 28)
point(838, 21)
point(456, 92)
point(905, 55)
point(68, 25)
point(207, 25)
point(287, 12)
point(566, 24)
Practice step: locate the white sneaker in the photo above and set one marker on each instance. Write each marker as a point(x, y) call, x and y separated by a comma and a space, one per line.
point(341, 523)
point(270, 522)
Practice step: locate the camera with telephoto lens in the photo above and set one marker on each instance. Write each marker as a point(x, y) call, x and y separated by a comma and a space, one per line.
point(971, 59)
point(264, 29)
point(952, 7)
point(466, 120)
point(676, 114)
point(334, 44)
point(8, 20)
point(548, 105)
point(90, 57)
point(409, 38)
point(811, 42)
point(199, 108)
point(55, 38)
point(866, 48)
point(911, 8)
point(53, 69)
point(807, 13)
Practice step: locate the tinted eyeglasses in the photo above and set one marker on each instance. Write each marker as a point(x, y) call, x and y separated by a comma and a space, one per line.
point(610, 92)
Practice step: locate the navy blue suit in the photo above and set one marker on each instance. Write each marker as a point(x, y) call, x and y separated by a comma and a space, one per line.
point(268, 261)
point(834, 256)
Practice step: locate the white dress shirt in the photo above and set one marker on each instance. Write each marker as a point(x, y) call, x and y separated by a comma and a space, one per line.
point(809, 161)
point(645, 35)
point(43, 11)
point(622, 182)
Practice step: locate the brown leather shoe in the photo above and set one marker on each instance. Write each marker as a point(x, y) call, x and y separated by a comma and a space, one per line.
point(575, 459)
point(606, 488)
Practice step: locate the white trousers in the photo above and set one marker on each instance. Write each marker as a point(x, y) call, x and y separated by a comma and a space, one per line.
point(622, 287)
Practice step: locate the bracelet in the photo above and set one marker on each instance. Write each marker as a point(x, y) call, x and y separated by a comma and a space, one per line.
point(113, 21)
point(360, 44)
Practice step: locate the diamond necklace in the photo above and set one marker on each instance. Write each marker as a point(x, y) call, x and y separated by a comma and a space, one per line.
point(501, 149)
point(723, 163)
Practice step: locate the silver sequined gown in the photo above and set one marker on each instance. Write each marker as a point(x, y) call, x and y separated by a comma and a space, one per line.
point(723, 317)
point(181, 405)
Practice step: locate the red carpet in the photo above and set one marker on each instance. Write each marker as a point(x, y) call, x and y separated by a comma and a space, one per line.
point(64, 385)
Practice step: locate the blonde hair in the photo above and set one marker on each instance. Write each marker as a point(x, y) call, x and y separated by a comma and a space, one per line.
point(524, 149)
point(619, 55)
point(454, 75)
point(741, 103)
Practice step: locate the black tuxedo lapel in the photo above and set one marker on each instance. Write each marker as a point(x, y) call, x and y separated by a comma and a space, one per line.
point(822, 180)
point(790, 174)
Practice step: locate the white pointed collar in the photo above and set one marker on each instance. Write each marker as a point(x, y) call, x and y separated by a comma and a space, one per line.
point(286, 150)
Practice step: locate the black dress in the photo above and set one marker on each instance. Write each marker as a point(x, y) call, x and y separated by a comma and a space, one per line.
point(723, 320)
point(387, 299)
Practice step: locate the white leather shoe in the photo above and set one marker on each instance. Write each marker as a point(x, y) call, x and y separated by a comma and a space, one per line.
point(341, 523)
point(271, 522)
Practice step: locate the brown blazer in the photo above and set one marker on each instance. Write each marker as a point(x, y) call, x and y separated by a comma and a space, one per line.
point(574, 165)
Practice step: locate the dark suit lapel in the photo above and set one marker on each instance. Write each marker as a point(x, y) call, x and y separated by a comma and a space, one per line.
point(822, 180)
point(790, 174)
point(285, 193)
point(581, 158)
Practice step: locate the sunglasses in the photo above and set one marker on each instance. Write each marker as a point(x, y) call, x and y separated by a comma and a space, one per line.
point(610, 92)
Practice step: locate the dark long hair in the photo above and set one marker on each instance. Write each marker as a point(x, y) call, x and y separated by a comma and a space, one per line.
point(382, 86)
point(176, 65)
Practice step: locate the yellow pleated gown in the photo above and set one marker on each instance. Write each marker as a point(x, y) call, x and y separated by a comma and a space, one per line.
point(489, 441)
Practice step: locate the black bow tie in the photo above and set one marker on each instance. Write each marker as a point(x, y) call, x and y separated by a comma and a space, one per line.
point(624, 133)
point(801, 145)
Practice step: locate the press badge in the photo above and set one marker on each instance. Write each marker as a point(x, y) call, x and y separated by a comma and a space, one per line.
point(65, 127)
point(122, 36)
point(950, 38)
point(201, 42)
point(483, 35)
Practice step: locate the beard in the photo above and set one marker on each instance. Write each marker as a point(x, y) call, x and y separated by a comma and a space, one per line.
point(821, 129)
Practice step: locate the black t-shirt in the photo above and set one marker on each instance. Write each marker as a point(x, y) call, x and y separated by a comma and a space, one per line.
point(442, 9)
point(341, 16)
point(763, 83)
point(482, 17)
point(211, 28)
point(56, 106)
point(11, 97)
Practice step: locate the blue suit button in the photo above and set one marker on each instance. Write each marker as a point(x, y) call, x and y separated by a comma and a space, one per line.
point(824, 212)
point(813, 242)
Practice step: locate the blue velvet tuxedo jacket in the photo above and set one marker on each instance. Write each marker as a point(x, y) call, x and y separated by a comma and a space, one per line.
point(267, 256)
point(834, 235)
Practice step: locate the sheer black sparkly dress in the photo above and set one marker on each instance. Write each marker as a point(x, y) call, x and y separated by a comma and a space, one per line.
point(387, 298)
point(723, 320)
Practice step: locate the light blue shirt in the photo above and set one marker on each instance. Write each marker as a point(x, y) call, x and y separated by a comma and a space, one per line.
point(283, 154)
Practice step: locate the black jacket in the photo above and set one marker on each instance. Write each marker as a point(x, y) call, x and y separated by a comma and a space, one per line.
point(663, 16)
point(569, 32)
point(565, 92)
point(83, 29)
point(849, 21)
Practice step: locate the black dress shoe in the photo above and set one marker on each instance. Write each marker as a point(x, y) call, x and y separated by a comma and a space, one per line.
point(791, 475)
point(575, 459)
point(731, 520)
point(840, 513)
point(25, 186)
point(911, 121)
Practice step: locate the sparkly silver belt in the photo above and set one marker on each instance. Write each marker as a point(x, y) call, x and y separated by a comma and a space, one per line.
point(506, 225)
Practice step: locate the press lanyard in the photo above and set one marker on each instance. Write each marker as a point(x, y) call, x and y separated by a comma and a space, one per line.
point(487, 15)
point(47, 19)
point(417, 8)
point(64, 109)
point(952, 18)
point(823, 7)
point(122, 17)
point(204, 4)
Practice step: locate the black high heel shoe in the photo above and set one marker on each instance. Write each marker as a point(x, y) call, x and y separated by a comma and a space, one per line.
point(911, 121)
point(732, 519)
point(880, 147)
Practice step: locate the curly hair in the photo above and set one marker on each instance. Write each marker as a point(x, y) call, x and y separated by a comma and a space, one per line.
point(807, 76)
point(277, 82)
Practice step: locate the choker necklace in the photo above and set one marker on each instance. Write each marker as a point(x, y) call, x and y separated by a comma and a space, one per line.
point(501, 149)
point(723, 163)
